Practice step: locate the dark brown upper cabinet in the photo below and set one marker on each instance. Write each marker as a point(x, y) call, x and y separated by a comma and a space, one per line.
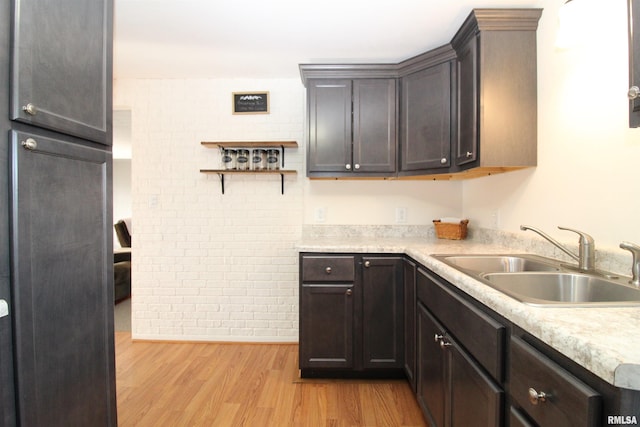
point(352, 127)
point(497, 90)
point(426, 120)
point(634, 63)
point(466, 109)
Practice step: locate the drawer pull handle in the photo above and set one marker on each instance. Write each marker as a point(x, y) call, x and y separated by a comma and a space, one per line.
point(328, 270)
point(536, 397)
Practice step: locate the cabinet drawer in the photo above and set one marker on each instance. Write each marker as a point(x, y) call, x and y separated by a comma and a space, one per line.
point(482, 336)
point(328, 269)
point(568, 401)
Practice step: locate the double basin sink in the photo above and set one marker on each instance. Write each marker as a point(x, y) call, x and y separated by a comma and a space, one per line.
point(541, 281)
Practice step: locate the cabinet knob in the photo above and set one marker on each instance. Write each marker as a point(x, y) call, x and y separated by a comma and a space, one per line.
point(30, 109)
point(367, 264)
point(443, 161)
point(328, 270)
point(356, 166)
point(29, 144)
point(438, 337)
point(535, 397)
point(469, 154)
point(634, 92)
point(444, 343)
point(347, 166)
point(349, 292)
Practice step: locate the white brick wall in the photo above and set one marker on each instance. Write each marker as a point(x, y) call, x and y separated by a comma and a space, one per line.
point(208, 266)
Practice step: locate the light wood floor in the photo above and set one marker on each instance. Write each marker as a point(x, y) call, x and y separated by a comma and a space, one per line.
point(194, 384)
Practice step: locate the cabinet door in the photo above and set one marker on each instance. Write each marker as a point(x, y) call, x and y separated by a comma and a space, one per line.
point(432, 368)
point(329, 126)
point(426, 119)
point(409, 278)
point(475, 399)
point(634, 60)
point(374, 125)
point(61, 75)
point(382, 313)
point(467, 142)
point(62, 282)
point(326, 326)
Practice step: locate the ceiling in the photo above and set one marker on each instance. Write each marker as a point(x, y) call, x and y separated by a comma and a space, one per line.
point(269, 38)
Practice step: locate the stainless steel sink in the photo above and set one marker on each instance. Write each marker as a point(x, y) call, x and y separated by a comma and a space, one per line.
point(540, 281)
point(564, 289)
point(500, 263)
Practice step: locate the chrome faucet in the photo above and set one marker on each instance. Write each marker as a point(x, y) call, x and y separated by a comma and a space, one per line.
point(586, 247)
point(635, 266)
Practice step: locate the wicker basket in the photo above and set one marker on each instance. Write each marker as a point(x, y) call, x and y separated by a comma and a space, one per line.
point(451, 231)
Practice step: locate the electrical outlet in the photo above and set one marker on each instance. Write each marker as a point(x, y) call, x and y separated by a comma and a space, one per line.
point(401, 215)
point(320, 215)
point(495, 219)
point(153, 201)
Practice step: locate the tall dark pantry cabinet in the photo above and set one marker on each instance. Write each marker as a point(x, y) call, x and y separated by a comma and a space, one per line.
point(57, 364)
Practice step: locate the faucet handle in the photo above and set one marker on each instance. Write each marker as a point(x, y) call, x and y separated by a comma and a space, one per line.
point(584, 237)
point(586, 250)
point(635, 266)
point(630, 247)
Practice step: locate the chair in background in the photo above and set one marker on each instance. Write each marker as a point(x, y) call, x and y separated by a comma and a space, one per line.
point(122, 262)
point(122, 231)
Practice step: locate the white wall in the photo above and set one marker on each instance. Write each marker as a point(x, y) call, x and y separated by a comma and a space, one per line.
point(588, 158)
point(214, 267)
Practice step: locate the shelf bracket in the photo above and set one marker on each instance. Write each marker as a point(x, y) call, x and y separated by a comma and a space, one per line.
point(221, 175)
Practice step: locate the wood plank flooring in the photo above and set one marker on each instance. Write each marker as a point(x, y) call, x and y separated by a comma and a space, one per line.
point(205, 384)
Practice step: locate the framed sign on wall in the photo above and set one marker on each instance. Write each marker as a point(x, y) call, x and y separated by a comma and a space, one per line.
point(250, 103)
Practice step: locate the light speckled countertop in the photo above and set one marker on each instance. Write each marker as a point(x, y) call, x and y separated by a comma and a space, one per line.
point(606, 341)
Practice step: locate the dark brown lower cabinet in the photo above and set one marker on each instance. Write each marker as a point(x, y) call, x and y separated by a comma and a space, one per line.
point(382, 313)
point(476, 400)
point(453, 390)
point(326, 326)
point(459, 356)
point(351, 319)
point(409, 279)
point(432, 386)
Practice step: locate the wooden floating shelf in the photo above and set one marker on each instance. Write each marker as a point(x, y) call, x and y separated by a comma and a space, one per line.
point(250, 144)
